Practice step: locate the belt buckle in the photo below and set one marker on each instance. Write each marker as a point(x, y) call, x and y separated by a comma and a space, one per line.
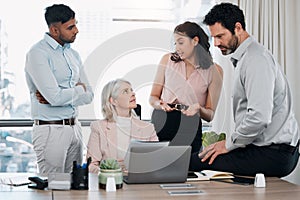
point(67, 122)
point(70, 121)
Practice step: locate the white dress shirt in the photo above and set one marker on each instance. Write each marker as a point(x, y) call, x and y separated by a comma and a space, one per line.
point(262, 101)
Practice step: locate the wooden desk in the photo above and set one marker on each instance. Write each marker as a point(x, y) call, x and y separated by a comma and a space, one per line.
point(33, 195)
point(21, 192)
point(275, 189)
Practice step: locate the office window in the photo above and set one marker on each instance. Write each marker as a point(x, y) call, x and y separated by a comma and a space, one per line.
point(117, 38)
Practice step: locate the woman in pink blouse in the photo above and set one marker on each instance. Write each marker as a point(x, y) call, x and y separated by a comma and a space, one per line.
point(186, 88)
point(111, 136)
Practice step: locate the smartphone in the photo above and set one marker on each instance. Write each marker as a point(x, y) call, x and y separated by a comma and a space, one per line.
point(238, 180)
point(243, 180)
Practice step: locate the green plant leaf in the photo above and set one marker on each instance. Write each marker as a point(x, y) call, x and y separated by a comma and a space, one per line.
point(211, 137)
point(109, 163)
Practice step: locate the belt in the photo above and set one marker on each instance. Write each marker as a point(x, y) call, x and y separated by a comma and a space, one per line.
point(284, 147)
point(70, 122)
point(178, 106)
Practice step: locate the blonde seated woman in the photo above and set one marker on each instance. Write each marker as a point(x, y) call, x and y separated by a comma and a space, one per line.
point(111, 136)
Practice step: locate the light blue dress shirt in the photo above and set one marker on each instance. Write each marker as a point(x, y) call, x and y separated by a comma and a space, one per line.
point(262, 100)
point(54, 70)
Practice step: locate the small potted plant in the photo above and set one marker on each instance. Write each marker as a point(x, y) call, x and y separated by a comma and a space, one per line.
point(110, 168)
point(211, 137)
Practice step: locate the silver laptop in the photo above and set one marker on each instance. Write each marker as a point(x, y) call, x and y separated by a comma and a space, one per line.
point(136, 143)
point(158, 164)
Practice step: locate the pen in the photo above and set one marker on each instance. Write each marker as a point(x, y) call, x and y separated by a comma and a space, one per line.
point(89, 161)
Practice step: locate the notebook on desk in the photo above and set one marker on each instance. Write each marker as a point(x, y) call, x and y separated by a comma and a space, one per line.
point(157, 164)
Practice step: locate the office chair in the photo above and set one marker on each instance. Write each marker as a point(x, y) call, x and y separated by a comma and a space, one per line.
point(138, 110)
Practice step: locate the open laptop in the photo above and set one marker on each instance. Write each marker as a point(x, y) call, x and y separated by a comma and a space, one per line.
point(158, 164)
point(136, 143)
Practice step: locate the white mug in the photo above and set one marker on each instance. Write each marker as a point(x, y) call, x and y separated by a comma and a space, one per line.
point(111, 184)
point(260, 180)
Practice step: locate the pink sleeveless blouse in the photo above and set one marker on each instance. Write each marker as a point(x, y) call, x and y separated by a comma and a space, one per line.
point(186, 91)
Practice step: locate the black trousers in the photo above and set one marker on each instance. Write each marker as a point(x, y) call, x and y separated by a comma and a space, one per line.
point(178, 128)
point(251, 160)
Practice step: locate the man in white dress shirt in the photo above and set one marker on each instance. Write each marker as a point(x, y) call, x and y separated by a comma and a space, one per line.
point(266, 136)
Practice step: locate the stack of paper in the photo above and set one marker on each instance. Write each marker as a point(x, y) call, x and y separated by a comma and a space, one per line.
point(206, 175)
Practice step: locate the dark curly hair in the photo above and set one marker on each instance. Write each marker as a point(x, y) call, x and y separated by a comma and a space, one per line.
point(192, 29)
point(227, 14)
point(58, 13)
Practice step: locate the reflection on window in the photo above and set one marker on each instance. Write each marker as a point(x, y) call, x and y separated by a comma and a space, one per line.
point(16, 151)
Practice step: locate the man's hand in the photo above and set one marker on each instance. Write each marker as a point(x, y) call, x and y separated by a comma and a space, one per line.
point(40, 98)
point(212, 151)
point(82, 84)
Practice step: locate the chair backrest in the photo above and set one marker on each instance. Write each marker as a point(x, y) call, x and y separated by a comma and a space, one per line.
point(138, 110)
